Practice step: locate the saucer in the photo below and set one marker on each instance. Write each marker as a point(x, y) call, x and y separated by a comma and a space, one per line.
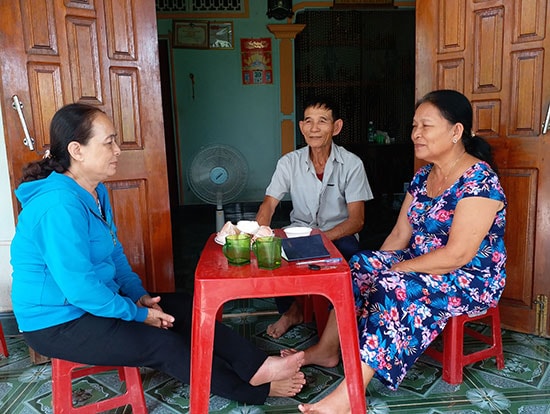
point(297, 231)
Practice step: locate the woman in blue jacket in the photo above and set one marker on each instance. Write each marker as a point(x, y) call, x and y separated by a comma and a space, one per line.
point(74, 294)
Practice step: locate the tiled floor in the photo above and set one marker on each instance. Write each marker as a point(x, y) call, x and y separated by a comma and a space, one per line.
point(523, 386)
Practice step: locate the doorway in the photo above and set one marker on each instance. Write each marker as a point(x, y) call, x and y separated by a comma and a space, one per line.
point(365, 61)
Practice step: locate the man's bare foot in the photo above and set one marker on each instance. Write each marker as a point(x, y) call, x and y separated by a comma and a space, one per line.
point(277, 368)
point(337, 402)
point(290, 318)
point(287, 387)
point(315, 355)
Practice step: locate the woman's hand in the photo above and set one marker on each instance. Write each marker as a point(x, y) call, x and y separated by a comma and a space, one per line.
point(146, 301)
point(401, 267)
point(159, 319)
point(155, 316)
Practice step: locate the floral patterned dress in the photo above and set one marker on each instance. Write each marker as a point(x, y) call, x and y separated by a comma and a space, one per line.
point(400, 314)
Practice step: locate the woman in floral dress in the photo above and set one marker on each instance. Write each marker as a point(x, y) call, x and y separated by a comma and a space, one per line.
point(444, 257)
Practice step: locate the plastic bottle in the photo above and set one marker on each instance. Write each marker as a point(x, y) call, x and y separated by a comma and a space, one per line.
point(371, 133)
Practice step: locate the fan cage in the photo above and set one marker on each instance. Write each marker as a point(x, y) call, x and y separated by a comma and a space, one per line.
point(215, 156)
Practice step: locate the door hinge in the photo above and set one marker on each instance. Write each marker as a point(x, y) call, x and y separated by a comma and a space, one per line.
point(542, 314)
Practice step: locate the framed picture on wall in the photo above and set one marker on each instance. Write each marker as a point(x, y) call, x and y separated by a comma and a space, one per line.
point(191, 34)
point(220, 35)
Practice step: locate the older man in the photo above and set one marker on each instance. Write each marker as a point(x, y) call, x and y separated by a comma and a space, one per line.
point(328, 187)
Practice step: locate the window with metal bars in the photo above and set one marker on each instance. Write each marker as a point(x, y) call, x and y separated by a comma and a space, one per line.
point(201, 6)
point(364, 60)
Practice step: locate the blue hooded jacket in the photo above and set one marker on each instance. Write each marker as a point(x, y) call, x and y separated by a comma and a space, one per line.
point(67, 259)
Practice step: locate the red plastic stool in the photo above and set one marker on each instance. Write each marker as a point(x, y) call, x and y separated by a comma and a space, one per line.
point(3, 345)
point(317, 305)
point(453, 359)
point(63, 372)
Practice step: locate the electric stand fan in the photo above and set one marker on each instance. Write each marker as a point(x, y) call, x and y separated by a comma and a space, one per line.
point(217, 175)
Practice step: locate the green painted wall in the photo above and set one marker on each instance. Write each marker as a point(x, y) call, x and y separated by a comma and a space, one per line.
point(224, 111)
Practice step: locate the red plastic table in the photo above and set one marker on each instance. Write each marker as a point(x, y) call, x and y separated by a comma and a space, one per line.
point(216, 282)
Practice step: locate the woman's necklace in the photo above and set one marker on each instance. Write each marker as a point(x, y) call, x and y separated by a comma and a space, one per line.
point(446, 176)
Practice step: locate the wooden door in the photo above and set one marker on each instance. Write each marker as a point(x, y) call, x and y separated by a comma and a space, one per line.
point(104, 53)
point(496, 52)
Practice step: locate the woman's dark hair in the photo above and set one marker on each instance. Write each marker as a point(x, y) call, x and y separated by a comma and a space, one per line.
point(72, 122)
point(456, 108)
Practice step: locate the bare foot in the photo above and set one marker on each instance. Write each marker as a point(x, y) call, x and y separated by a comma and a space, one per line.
point(337, 402)
point(288, 387)
point(290, 318)
point(278, 368)
point(315, 355)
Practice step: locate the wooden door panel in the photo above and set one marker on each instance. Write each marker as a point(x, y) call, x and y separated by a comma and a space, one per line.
point(451, 25)
point(496, 53)
point(40, 36)
point(525, 92)
point(487, 117)
point(126, 107)
point(46, 93)
point(83, 44)
point(56, 52)
point(530, 20)
point(488, 47)
point(121, 27)
point(451, 74)
point(129, 201)
point(519, 238)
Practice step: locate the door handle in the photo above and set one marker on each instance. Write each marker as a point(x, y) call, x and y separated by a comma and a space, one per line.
point(546, 121)
point(18, 106)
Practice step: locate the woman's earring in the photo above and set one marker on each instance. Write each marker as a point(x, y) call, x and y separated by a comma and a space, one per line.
point(455, 140)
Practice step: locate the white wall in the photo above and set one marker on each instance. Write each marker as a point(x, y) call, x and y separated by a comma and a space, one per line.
point(7, 225)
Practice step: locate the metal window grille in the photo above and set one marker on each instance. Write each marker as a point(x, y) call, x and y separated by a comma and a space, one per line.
point(200, 6)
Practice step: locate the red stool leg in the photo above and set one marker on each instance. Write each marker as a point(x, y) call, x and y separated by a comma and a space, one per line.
point(306, 303)
point(63, 373)
point(453, 358)
point(497, 338)
point(321, 310)
point(453, 351)
point(134, 390)
point(3, 345)
point(62, 390)
point(315, 305)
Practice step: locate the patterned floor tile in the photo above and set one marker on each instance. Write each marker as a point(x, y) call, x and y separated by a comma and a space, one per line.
point(522, 387)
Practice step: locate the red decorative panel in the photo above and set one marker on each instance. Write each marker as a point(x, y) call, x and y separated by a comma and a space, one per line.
point(489, 29)
point(126, 106)
point(84, 60)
